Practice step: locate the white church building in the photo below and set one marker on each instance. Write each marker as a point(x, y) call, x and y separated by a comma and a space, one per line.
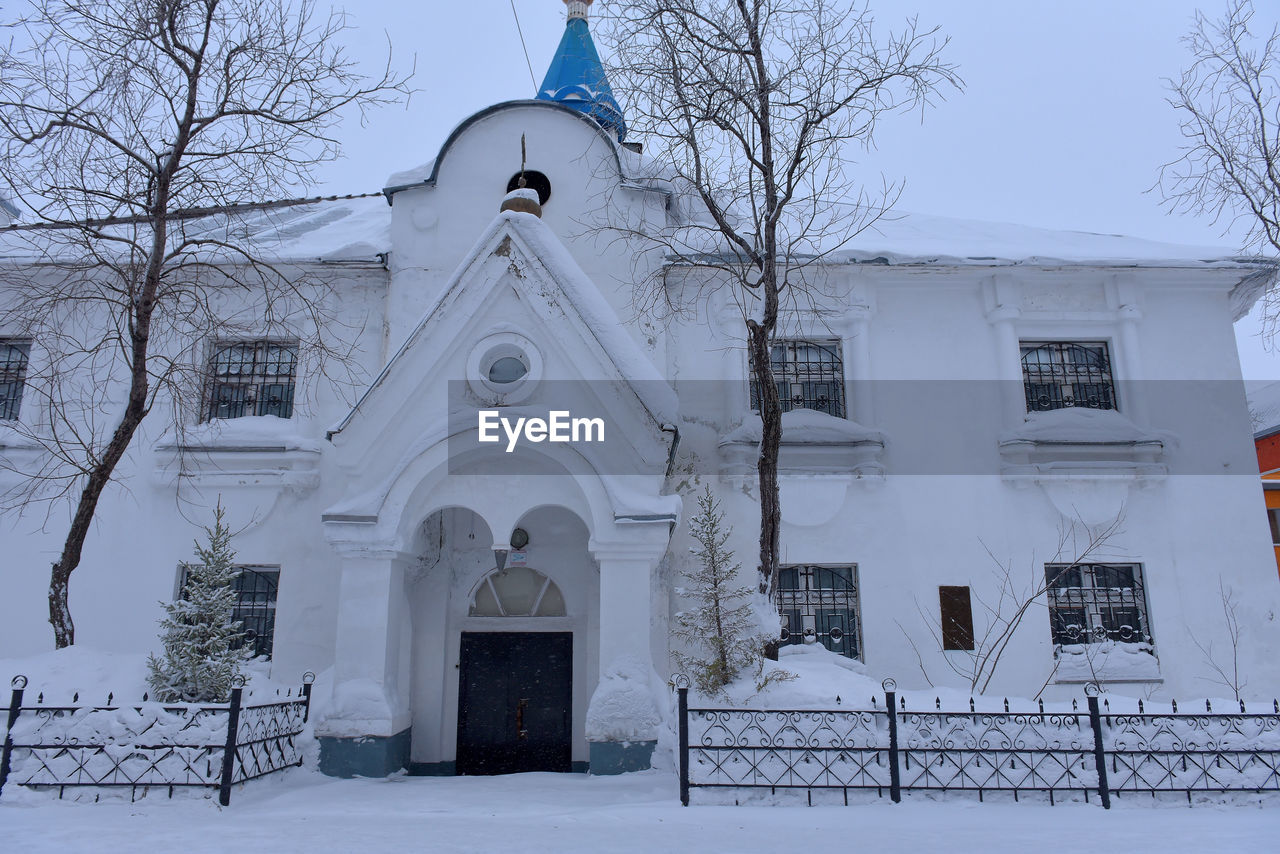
point(976, 412)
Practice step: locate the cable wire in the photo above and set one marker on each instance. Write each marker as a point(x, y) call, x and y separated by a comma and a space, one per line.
point(532, 79)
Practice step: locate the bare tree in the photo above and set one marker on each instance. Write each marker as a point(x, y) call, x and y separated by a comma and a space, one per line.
point(130, 130)
point(1228, 101)
point(1014, 598)
point(757, 107)
point(1225, 674)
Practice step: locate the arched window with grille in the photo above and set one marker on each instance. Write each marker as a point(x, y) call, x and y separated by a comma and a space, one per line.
point(251, 378)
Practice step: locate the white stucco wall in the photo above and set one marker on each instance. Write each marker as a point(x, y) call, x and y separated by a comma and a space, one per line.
point(145, 527)
point(933, 353)
point(908, 531)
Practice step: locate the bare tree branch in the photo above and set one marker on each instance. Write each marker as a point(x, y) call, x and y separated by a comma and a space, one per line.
point(1226, 675)
point(1228, 102)
point(755, 108)
point(1003, 614)
point(119, 118)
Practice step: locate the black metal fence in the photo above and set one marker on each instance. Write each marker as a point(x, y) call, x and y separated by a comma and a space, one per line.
point(138, 747)
point(892, 750)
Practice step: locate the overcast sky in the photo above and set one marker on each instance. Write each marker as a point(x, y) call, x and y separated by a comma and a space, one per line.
point(1062, 124)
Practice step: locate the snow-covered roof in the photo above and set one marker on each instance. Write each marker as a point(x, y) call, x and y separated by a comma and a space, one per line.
point(913, 238)
point(347, 228)
point(359, 228)
point(416, 175)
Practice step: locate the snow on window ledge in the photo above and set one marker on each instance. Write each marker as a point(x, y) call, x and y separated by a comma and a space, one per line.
point(1109, 661)
point(18, 452)
point(812, 443)
point(13, 437)
point(1097, 441)
point(257, 450)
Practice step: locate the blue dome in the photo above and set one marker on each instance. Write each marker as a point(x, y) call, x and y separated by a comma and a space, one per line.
point(576, 79)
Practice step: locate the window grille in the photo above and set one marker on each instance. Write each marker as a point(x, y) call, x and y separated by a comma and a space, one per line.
point(1097, 602)
point(13, 376)
point(251, 378)
point(819, 604)
point(809, 375)
point(255, 608)
point(1061, 374)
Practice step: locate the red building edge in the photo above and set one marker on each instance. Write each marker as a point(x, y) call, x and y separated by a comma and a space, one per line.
point(1267, 445)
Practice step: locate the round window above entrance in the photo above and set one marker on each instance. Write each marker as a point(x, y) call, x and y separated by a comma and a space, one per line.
point(503, 368)
point(517, 591)
point(507, 369)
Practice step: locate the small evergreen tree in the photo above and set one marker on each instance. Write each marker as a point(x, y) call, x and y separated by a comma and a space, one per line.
point(202, 645)
point(721, 625)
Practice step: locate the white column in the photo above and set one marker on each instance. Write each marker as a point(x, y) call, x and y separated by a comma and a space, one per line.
point(856, 352)
point(623, 708)
point(729, 335)
point(1134, 403)
point(1003, 300)
point(625, 606)
point(1004, 320)
point(372, 652)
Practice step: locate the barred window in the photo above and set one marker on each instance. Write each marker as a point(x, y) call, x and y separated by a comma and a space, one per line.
point(809, 375)
point(819, 604)
point(13, 376)
point(1096, 602)
point(1062, 374)
point(255, 606)
point(251, 378)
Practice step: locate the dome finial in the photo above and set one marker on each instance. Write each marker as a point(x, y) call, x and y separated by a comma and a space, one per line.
point(522, 198)
point(577, 8)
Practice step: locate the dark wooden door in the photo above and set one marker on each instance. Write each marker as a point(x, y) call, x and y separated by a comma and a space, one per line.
point(515, 701)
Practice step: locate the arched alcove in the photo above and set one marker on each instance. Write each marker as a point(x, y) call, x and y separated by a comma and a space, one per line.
point(465, 596)
point(517, 591)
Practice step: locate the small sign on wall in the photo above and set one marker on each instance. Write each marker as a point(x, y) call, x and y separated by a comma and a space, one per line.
point(518, 559)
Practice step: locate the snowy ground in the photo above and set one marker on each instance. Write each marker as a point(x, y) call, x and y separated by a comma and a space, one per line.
point(305, 812)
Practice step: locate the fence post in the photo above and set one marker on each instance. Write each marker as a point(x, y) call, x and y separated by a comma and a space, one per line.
point(683, 692)
point(307, 679)
point(895, 780)
point(1091, 691)
point(19, 683)
point(229, 751)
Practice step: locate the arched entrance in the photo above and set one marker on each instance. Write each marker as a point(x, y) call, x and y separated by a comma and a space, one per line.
point(504, 656)
point(414, 552)
point(515, 689)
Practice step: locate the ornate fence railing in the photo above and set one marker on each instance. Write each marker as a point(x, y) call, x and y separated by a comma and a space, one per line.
point(892, 750)
point(152, 744)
